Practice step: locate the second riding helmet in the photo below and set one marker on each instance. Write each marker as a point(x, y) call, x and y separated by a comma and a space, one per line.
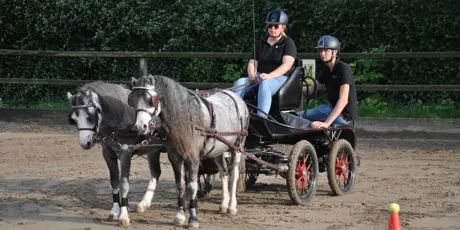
point(276, 17)
point(328, 42)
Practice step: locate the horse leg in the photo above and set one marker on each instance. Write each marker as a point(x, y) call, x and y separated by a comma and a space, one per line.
point(178, 168)
point(234, 181)
point(125, 161)
point(191, 178)
point(155, 172)
point(112, 163)
point(223, 173)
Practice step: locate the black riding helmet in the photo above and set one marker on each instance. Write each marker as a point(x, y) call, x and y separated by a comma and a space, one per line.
point(277, 17)
point(328, 42)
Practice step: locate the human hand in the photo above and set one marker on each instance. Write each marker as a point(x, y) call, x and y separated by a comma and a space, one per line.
point(264, 76)
point(319, 125)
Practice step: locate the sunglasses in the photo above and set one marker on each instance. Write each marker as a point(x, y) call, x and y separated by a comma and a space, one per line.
point(273, 25)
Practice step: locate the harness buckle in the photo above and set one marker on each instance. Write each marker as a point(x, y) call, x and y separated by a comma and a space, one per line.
point(144, 142)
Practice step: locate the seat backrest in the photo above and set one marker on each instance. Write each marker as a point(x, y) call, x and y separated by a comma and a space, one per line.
point(289, 96)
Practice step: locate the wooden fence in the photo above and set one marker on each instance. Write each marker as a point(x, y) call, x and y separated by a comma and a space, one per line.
point(143, 63)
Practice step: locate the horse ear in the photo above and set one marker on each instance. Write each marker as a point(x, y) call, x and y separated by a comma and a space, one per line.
point(69, 95)
point(133, 81)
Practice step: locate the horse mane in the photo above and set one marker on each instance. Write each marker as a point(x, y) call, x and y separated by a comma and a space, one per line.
point(180, 112)
point(113, 98)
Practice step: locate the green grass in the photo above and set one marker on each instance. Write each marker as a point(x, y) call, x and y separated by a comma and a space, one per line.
point(371, 107)
point(367, 108)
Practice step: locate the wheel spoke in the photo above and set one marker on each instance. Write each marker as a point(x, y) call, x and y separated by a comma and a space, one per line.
point(345, 178)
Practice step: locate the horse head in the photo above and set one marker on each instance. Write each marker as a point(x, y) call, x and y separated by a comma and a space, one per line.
point(144, 99)
point(86, 115)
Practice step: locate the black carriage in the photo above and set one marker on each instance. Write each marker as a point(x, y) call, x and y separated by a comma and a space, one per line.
point(286, 145)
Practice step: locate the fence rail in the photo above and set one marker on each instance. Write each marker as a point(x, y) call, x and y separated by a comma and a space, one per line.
point(216, 55)
point(207, 85)
point(143, 66)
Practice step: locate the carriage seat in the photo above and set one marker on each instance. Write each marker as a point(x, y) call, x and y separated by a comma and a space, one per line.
point(289, 96)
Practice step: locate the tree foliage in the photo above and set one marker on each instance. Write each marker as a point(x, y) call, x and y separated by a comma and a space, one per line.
point(220, 26)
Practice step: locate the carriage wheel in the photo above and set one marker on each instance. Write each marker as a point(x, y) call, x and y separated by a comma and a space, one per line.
point(302, 173)
point(341, 169)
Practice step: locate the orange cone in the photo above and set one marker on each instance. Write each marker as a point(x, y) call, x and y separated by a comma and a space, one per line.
point(394, 223)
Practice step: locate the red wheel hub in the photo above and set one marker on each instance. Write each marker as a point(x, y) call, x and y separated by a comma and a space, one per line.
point(302, 174)
point(342, 167)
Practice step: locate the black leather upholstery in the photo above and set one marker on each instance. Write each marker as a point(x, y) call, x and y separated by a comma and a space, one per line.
point(289, 96)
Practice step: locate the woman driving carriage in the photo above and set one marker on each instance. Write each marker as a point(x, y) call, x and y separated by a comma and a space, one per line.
point(271, 62)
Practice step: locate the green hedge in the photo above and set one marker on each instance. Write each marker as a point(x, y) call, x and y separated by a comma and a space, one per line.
point(221, 26)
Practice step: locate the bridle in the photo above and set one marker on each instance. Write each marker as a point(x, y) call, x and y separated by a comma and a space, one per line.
point(95, 128)
point(155, 103)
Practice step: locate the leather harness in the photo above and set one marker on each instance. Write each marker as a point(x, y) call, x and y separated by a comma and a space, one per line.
point(211, 131)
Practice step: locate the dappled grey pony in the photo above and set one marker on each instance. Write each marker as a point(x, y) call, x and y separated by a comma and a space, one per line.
point(102, 115)
point(187, 122)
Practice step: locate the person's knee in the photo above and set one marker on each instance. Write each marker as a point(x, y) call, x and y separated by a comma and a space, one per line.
point(272, 85)
point(324, 109)
point(316, 114)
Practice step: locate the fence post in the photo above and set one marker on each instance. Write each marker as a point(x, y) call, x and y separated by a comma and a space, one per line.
point(143, 69)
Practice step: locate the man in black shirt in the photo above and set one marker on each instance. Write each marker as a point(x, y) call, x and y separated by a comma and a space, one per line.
point(340, 85)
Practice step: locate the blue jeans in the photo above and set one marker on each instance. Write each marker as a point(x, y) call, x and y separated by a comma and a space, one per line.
point(267, 88)
point(321, 113)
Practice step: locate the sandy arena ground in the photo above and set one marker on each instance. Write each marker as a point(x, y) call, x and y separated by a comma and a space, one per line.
point(47, 181)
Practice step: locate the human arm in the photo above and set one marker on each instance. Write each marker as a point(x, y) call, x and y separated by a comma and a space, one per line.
point(341, 103)
point(253, 62)
point(252, 69)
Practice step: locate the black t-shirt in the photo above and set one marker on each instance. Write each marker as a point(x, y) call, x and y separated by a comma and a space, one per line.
point(340, 75)
point(270, 57)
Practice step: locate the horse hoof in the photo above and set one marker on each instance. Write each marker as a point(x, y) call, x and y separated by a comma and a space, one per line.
point(179, 220)
point(193, 225)
point(141, 208)
point(223, 210)
point(232, 211)
point(113, 216)
point(124, 222)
